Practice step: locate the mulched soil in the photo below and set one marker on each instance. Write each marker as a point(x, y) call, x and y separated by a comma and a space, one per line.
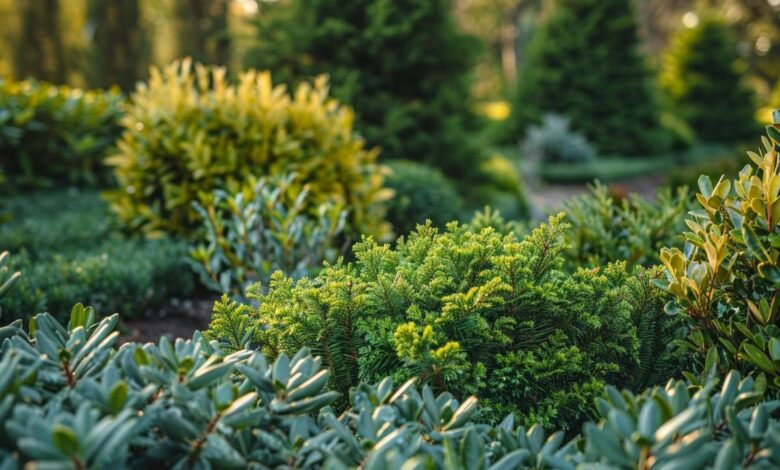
point(178, 319)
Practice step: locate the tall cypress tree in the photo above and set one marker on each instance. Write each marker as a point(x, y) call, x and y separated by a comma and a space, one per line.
point(584, 62)
point(703, 82)
point(402, 64)
point(118, 46)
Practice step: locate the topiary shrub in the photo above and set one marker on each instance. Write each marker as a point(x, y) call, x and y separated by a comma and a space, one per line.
point(264, 229)
point(55, 134)
point(553, 141)
point(421, 193)
point(726, 278)
point(188, 131)
point(467, 312)
point(631, 229)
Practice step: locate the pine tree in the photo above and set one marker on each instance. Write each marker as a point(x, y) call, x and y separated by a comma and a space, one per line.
point(703, 82)
point(401, 64)
point(583, 62)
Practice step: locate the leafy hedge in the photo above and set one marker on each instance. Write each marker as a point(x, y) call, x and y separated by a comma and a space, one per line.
point(470, 312)
point(189, 131)
point(55, 134)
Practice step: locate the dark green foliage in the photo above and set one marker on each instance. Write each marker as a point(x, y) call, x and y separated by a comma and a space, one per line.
point(39, 49)
point(118, 51)
point(583, 62)
point(631, 229)
point(421, 193)
point(51, 134)
point(402, 65)
point(468, 312)
point(68, 250)
point(704, 85)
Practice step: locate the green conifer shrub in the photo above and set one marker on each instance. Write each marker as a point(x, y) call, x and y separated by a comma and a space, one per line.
point(421, 193)
point(725, 280)
point(704, 84)
point(55, 134)
point(189, 131)
point(402, 65)
point(632, 229)
point(468, 312)
point(583, 62)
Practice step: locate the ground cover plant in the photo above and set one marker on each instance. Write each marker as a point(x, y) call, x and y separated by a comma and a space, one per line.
point(69, 249)
point(189, 131)
point(469, 312)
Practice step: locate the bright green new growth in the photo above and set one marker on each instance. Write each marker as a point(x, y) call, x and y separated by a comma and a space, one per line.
point(263, 229)
point(189, 131)
point(468, 312)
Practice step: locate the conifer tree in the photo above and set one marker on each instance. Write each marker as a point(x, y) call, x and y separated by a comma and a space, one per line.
point(702, 80)
point(401, 64)
point(583, 62)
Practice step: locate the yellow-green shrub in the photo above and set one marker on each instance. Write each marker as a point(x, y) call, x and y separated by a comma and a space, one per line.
point(189, 131)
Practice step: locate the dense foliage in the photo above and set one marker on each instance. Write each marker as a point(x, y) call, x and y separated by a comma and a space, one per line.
point(725, 280)
point(468, 312)
point(607, 228)
point(69, 251)
point(263, 229)
point(402, 65)
point(189, 132)
point(704, 84)
point(583, 62)
point(421, 193)
point(55, 134)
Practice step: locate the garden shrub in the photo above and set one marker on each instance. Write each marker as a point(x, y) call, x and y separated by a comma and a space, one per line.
point(188, 132)
point(583, 61)
point(55, 134)
point(632, 229)
point(503, 187)
point(704, 84)
point(263, 229)
point(555, 142)
point(421, 193)
point(468, 312)
point(726, 278)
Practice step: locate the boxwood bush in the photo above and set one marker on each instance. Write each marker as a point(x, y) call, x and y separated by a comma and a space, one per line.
point(189, 131)
point(469, 312)
point(55, 134)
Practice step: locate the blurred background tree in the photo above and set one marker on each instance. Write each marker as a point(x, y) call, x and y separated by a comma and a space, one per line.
point(117, 43)
point(703, 82)
point(584, 63)
point(403, 65)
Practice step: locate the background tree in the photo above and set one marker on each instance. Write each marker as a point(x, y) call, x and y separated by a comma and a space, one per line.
point(39, 50)
point(704, 83)
point(117, 52)
point(584, 62)
point(401, 64)
point(202, 30)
